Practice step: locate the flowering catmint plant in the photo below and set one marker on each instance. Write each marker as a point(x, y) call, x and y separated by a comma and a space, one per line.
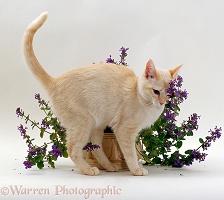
point(38, 155)
point(158, 140)
point(91, 147)
point(161, 142)
point(122, 55)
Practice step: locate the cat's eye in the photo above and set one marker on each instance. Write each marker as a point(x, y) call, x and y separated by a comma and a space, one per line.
point(156, 92)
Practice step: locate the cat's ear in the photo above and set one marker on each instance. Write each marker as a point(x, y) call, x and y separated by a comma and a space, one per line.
point(174, 72)
point(150, 70)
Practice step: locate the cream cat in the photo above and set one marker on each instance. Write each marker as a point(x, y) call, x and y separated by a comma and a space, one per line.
point(89, 98)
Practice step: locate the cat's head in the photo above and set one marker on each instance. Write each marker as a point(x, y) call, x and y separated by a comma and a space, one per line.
point(155, 82)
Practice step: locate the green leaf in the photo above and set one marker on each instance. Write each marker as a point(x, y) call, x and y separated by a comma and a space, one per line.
point(177, 107)
point(156, 160)
point(201, 140)
point(40, 165)
point(147, 138)
point(27, 119)
point(42, 130)
point(163, 121)
point(190, 133)
point(147, 159)
point(51, 163)
point(162, 136)
point(54, 158)
point(153, 146)
point(65, 154)
point(53, 136)
point(154, 153)
point(157, 126)
point(179, 144)
point(163, 150)
point(38, 158)
point(189, 151)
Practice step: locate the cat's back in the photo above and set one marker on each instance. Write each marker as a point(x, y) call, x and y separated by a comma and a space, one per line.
point(98, 88)
point(98, 75)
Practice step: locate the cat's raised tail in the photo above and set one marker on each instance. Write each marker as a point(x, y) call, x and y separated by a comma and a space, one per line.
point(30, 57)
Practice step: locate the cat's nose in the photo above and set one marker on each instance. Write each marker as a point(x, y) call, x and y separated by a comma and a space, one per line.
point(161, 103)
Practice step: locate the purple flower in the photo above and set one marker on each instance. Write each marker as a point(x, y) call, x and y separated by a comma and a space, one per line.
point(32, 151)
point(192, 123)
point(167, 145)
point(207, 143)
point(172, 104)
point(169, 115)
point(40, 100)
point(202, 157)
point(170, 91)
point(91, 147)
point(40, 150)
point(193, 120)
point(177, 93)
point(216, 134)
point(177, 163)
point(179, 133)
point(198, 156)
point(123, 50)
point(177, 96)
point(184, 94)
point(27, 164)
point(56, 151)
point(44, 124)
point(187, 163)
point(172, 86)
point(172, 127)
point(19, 112)
point(22, 130)
point(168, 135)
point(37, 96)
point(123, 55)
point(36, 150)
point(179, 81)
point(110, 60)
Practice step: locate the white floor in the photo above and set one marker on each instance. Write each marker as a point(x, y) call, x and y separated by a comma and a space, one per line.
point(200, 181)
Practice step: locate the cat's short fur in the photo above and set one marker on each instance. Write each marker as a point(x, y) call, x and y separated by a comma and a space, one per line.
point(89, 98)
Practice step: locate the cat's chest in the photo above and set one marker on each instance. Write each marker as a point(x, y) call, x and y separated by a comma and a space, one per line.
point(151, 115)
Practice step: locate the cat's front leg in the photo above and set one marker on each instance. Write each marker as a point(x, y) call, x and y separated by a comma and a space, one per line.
point(126, 139)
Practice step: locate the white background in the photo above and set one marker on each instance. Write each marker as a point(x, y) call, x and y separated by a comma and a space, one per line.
point(82, 32)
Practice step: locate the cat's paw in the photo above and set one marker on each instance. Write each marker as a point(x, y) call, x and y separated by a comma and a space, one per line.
point(92, 171)
point(140, 172)
point(112, 168)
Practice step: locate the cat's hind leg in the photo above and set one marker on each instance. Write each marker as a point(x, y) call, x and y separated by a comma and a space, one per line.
point(97, 138)
point(77, 138)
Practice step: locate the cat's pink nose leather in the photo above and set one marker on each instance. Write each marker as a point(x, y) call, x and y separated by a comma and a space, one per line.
point(161, 103)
